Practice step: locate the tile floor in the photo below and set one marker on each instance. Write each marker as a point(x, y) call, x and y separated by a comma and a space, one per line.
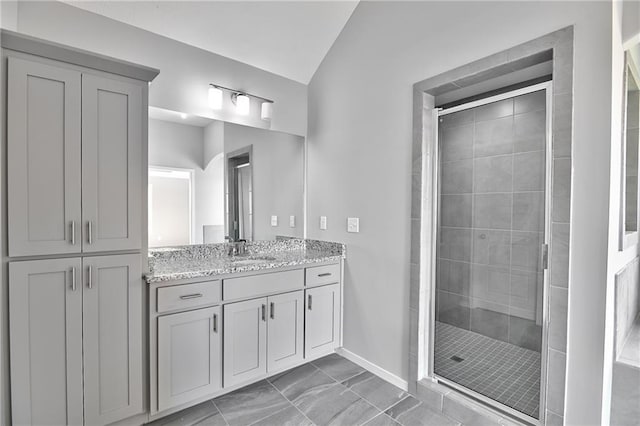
point(328, 391)
point(501, 371)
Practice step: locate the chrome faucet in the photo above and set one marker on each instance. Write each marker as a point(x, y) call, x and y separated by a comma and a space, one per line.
point(236, 247)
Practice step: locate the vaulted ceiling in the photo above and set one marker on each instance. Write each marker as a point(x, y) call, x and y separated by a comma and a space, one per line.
point(288, 38)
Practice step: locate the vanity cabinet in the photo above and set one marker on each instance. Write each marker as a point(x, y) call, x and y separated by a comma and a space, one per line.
point(75, 340)
point(262, 335)
point(322, 320)
point(245, 341)
point(74, 160)
point(189, 356)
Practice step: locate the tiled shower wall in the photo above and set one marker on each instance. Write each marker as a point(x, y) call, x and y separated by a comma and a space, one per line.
point(492, 181)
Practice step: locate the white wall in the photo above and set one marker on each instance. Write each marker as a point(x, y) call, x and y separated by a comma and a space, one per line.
point(185, 71)
point(359, 141)
point(277, 167)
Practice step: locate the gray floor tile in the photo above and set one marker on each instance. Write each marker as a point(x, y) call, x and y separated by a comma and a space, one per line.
point(376, 391)
point(302, 381)
point(290, 416)
point(201, 414)
point(412, 412)
point(382, 420)
point(250, 404)
point(337, 405)
point(338, 367)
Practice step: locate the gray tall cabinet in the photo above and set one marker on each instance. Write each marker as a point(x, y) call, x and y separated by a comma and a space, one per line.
point(76, 177)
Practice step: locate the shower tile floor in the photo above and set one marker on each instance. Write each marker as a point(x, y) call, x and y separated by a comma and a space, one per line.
point(501, 371)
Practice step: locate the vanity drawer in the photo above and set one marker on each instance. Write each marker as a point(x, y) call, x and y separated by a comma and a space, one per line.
point(321, 275)
point(262, 284)
point(189, 295)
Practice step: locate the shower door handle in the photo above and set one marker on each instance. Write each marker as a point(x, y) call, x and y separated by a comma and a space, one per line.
point(544, 256)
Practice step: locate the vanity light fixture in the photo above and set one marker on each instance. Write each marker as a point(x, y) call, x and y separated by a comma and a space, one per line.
point(215, 97)
point(241, 100)
point(266, 111)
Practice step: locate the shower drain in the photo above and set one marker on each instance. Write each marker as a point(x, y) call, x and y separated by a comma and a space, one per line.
point(456, 358)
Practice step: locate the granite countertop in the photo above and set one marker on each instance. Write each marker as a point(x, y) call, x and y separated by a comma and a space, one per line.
point(210, 260)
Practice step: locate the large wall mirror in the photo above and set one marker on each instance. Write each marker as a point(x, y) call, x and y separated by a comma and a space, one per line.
point(631, 141)
point(211, 181)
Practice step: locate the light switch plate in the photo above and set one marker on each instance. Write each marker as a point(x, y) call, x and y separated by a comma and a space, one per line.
point(292, 221)
point(353, 224)
point(274, 220)
point(323, 222)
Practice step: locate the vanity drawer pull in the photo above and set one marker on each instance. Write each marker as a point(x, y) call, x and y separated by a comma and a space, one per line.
point(309, 304)
point(215, 323)
point(191, 296)
point(326, 274)
point(264, 314)
point(272, 310)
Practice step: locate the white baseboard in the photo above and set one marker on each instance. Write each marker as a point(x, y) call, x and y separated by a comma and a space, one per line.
point(378, 371)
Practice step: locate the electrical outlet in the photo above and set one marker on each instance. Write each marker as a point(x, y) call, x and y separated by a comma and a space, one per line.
point(292, 221)
point(353, 224)
point(274, 220)
point(323, 222)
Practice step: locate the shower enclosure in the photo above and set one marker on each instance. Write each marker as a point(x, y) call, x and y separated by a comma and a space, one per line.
point(491, 250)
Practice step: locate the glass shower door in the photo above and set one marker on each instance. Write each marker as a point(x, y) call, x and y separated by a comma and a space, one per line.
point(491, 228)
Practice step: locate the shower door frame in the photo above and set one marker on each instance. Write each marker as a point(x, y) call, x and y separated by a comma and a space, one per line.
point(433, 191)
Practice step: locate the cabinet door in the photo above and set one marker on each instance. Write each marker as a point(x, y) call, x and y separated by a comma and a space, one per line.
point(43, 129)
point(245, 341)
point(322, 320)
point(285, 330)
point(45, 313)
point(189, 362)
point(112, 329)
point(111, 164)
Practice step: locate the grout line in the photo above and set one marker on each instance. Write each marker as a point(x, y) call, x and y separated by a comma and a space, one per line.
point(219, 411)
point(290, 401)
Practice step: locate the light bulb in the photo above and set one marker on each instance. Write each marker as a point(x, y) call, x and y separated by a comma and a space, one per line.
point(267, 110)
point(215, 97)
point(242, 104)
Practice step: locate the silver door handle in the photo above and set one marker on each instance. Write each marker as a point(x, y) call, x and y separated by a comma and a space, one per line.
point(272, 308)
point(73, 279)
point(544, 256)
point(309, 302)
point(264, 316)
point(89, 232)
point(73, 232)
point(191, 296)
point(90, 279)
point(215, 323)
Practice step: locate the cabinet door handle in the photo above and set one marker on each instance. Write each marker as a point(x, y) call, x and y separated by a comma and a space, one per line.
point(326, 274)
point(215, 323)
point(191, 296)
point(73, 279)
point(309, 302)
point(89, 232)
point(73, 232)
point(264, 316)
point(89, 276)
point(272, 308)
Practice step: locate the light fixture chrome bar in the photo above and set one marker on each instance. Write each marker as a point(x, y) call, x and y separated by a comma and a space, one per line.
point(240, 92)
